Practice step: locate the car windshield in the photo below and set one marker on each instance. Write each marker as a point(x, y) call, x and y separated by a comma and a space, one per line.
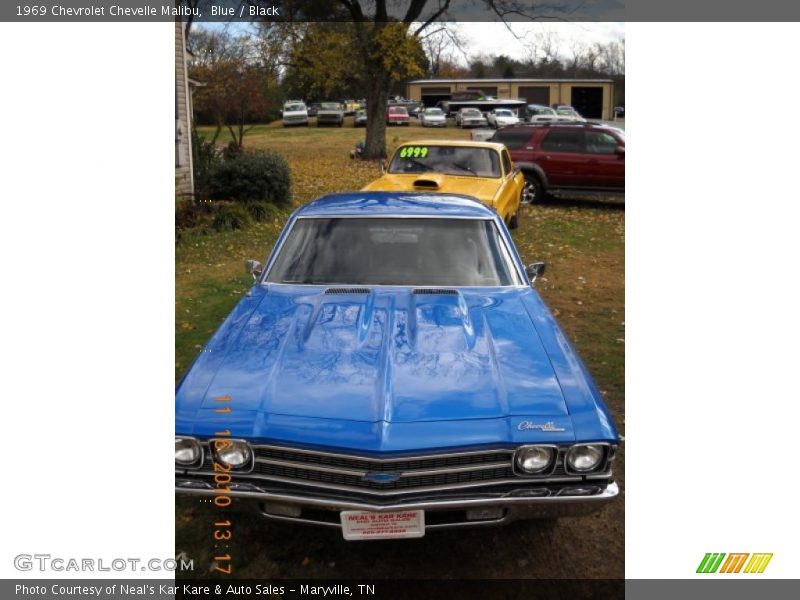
point(451, 160)
point(294, 107)
point(543, 111)
point(503, 113)
point(433, 111)
point(361, 113)
point(394, 251)
point(330, 106)
point(398, 110)
point(565, 111)
point(471, 112)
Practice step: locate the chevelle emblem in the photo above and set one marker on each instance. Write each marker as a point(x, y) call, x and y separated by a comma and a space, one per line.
point(549, 426)
point(381, 477)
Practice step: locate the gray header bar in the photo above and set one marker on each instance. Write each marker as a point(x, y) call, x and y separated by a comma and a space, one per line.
point(334, 10)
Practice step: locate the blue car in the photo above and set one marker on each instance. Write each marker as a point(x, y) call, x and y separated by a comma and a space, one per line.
point(393, 371)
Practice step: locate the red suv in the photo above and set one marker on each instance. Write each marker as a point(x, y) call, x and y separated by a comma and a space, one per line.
point(567, 157)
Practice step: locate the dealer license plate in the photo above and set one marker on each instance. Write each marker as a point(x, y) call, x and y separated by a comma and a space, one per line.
point(365, 525)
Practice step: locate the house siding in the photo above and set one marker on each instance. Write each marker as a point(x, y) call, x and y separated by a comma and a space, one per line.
point(184, 180)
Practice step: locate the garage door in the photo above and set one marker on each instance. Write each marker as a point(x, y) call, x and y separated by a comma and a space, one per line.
point(588, 101)
point(539, 94)
point(431, 95)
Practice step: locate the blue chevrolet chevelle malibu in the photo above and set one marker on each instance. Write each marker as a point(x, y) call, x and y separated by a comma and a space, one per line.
point(391, 371)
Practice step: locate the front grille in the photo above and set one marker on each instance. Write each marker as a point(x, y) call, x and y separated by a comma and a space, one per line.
point(401, 475)
point(383, 465)
point(300, 474)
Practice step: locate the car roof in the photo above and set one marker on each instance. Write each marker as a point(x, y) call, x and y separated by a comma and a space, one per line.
point(455, 144)
point(396, 203)
point(557, 125)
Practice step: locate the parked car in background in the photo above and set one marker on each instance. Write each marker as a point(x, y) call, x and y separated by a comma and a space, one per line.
point(479, 169)
point(501, 117)
point(313, 108)
point(350, 107)
point(567, 113)
point(619, 112)
point(397, 115)
point(470, 117)
point(392, 371)
point(330, 113)
point(294, 113)
point(564, 157)
point(416, 111)
point(433, 117)
point(536, 113)
point(360, 118)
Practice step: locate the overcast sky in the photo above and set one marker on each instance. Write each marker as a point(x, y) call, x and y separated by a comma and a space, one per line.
point(495, 38)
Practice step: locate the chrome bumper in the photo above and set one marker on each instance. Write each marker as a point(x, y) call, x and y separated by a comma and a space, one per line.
point(513, 507)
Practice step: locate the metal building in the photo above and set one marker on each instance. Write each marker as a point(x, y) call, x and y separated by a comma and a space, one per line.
point(593, 98)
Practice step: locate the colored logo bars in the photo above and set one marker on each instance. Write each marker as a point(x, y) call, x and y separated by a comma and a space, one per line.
point(734, 563)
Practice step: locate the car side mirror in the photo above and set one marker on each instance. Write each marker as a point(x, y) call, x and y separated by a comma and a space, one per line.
point(621, 151)
point(253, 267)
point(534, 270)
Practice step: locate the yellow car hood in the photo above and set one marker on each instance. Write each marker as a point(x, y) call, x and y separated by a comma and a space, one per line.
point(480, 187)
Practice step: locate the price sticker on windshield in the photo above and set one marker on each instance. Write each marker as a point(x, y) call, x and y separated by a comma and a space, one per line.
point(413, 152)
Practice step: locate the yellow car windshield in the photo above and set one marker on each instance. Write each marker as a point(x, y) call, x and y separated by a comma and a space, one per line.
point(450, 160)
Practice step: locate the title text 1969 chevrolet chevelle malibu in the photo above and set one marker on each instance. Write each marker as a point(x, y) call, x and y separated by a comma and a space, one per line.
point(393, 371)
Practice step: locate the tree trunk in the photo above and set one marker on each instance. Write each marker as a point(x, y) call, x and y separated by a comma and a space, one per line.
point(377, 100)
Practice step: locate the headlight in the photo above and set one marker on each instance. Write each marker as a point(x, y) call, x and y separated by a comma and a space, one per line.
point(231, 453)
point(534, 459)
point(584, 458)
point(187, 451)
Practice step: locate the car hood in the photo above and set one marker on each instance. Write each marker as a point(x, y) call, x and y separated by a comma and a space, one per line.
point(482, 188)
point(385, 355)
point(391, 370)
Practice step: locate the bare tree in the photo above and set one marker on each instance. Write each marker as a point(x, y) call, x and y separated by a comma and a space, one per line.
point(239, 83)
point(443, 46)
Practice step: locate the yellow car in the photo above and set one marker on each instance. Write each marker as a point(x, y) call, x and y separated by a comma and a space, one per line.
point(480, 169)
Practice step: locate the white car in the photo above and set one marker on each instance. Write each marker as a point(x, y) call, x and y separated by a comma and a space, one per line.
point(470, 117)
point(567, 113)
point(433, 117)
point(502, 117)
point(294, 112)
point(537, 113)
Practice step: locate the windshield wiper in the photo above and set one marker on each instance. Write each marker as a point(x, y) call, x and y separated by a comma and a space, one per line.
point(463, 168)
point(420, 164)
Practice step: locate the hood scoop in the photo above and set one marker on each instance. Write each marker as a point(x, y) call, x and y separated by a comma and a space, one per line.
point(346, 290)
point(435, 292)
point(426, 184)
